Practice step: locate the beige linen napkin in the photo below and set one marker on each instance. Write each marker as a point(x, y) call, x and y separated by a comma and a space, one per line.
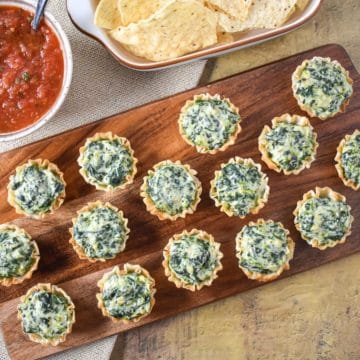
point(100, 88)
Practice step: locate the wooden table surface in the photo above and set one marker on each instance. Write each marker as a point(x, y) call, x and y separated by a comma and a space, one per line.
point(314, 315)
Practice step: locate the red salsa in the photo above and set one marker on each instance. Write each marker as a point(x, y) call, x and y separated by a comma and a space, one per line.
point(31, 69)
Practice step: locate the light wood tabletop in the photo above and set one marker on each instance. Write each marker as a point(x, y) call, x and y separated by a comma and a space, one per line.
point(314, 315)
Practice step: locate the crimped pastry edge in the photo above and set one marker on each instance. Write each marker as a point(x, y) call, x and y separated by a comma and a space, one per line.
point(202, 149)
point(46, 164)
point(172, 276)
point(128, 268)
point(35, 256)
point(296, 76)
point(290, 119)
point(92, 205)
point(52, 289)
point(338, 166)
point(107, 136)
point(272, 276)
point(150, 206)
point(223, 207)
point(321, 192)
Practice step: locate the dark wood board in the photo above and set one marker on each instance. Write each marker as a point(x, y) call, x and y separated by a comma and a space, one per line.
point(152, 129)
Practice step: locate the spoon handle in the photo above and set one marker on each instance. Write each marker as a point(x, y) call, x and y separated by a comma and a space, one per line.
point(40, 7)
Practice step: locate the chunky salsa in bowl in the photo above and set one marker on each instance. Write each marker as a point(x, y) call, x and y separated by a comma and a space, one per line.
point(35, 69)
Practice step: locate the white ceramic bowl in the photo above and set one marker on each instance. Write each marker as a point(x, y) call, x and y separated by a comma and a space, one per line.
point(68, 69)
point(82, 12)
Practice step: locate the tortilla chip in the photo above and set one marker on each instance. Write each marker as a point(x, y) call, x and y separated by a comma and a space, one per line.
point(180, 27)
point(302, 4)
point(263, 14)
point(132, 11)
point(107, 15)
point(237, 9)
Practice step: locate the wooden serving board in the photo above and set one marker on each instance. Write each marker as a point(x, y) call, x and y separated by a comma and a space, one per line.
point(152, 130)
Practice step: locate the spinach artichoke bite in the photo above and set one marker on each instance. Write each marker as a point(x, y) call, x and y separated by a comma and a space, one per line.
point(323, 218)
point(171, 190)
point(322, 87)
point(126, 295)
point(209, 123)
point(36, 189)
point(348, 160)
point(99, 232)
point(192, 259)
point(47, 314)
point(240, 187)
point(264, 249)
point(107, 162)
point(290, 145)
point(19, 255)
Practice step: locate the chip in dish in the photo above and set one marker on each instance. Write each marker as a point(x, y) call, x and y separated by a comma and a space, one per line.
point(126, 295)
point(323, 218)
point(240, 187)
point(322, 87)
point(19, 255)
point(192, 259)
point(47, 314)
point(99, 232)
point(290, 146)
point(171, 190)
point(159, 30)
point(209, 123)
point(264, 249)
point(348, 160)
point(107, 161)
point(180, 27)
point(36, 189)
point(262, 14)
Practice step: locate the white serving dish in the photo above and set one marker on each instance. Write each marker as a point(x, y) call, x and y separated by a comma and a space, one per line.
point(82, 15)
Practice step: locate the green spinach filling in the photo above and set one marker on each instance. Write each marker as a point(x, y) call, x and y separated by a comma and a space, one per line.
point(350, 159)
point(36, 189)
point(100, 232)
point(172, 189)
point(127, 296)
point(323, 86)
point(264, 248)
point(209, 123)
point(46, 314)
point(107, 162)
point(16, 253)
point(324, 220)
point(241, 187)
point(192, 259)
point(289, 145)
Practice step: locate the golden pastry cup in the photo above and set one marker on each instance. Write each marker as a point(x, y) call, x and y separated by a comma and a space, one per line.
point(171, 275)
point(129, 179)
point(44, 164)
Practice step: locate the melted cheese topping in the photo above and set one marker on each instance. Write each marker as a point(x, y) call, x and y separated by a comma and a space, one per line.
point(290, 146)
point(172, 189)
point(46, 314)
point(100, 232)
point(193, 260)
point(350, 159)
point(209, 123)
point(107, 162)
point(36, 189)
point(323, 86)
point(263, 247)
point(240, 187)
point(324, 220)
point(16, 253)
point(127, 296)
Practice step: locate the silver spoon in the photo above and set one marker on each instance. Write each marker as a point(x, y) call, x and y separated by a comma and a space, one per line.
point(40, 7)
